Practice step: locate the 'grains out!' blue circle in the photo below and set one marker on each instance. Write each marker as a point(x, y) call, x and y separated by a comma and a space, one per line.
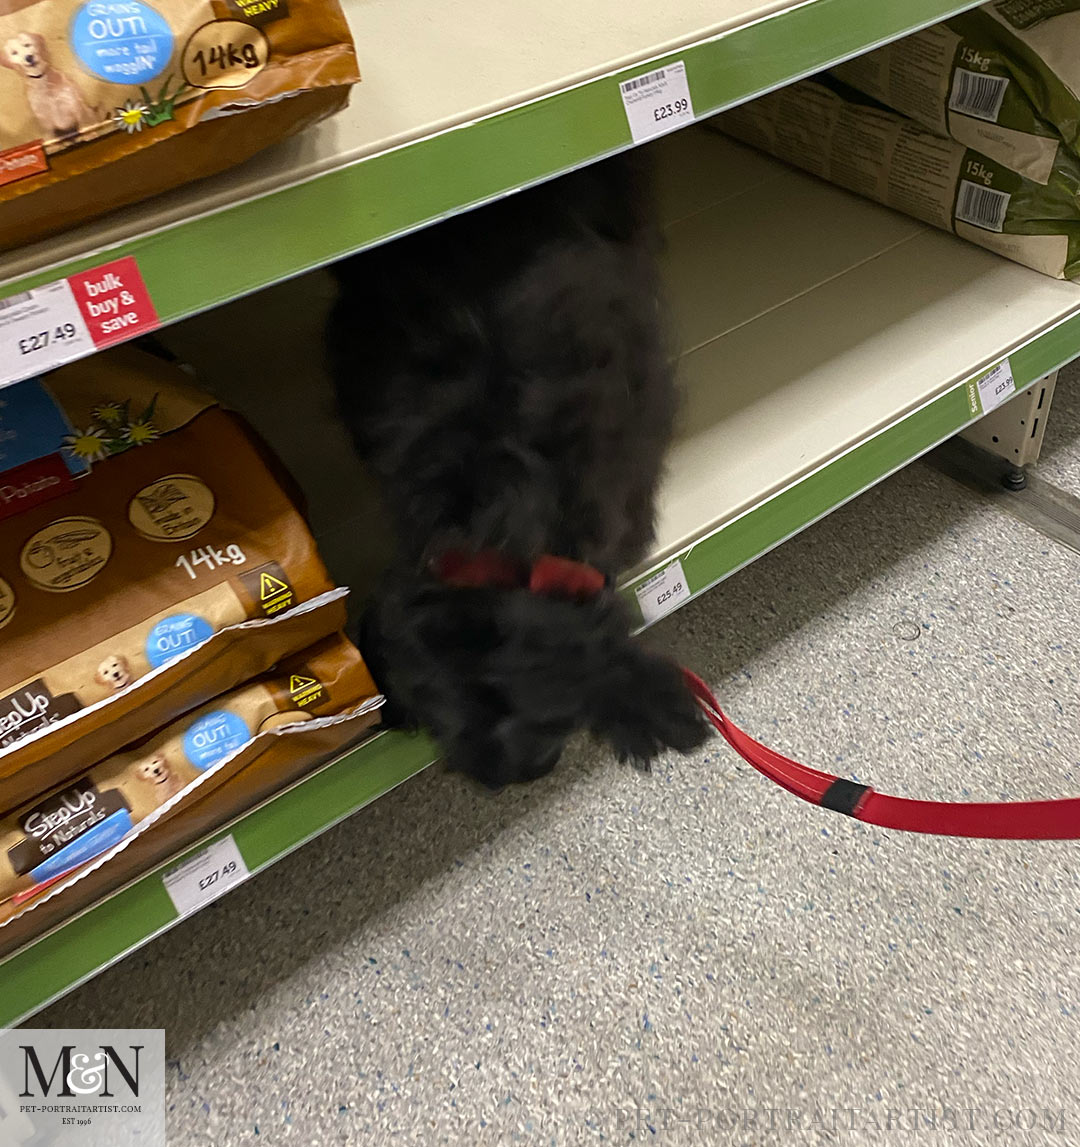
point(174, 635)
point(122, 41)
point(213, 737)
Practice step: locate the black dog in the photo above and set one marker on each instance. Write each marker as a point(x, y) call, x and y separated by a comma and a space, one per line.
point(504, 374)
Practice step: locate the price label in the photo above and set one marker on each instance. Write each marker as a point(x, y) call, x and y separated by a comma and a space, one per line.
point(996, 386)
point(663, 592)
point(40, 329)
point(657, 101)
point(72, 317)
point(205, 876)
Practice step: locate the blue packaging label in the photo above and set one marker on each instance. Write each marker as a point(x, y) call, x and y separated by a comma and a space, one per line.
point(33, 426)
point(122, 41)
point(85, 847)
point(174, 635)
point(213, 737)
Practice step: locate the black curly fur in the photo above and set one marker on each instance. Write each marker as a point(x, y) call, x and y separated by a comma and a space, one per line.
point(505, 376)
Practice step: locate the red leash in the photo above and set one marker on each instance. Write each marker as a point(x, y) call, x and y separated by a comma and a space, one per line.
point(1020, 820)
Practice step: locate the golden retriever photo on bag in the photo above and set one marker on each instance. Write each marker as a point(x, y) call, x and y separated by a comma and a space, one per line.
point(57, 104)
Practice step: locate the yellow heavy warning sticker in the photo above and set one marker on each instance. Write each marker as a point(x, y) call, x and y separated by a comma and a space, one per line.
point(305, 691)
point(271, 588)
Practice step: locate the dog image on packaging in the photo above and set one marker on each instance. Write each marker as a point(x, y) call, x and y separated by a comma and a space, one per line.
point(57, 105)
point(107, 103)
point(73, 824)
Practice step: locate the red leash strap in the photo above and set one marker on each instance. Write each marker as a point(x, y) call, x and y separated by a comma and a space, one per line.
point(1020, 820)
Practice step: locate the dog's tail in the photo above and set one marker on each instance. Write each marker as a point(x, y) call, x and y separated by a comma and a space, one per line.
point(504, 677)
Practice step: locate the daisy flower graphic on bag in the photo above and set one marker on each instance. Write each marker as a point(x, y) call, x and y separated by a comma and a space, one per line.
point(89, 445)
point(112, 432)
point(131, 116)
point(140, 432)
point(110, 413)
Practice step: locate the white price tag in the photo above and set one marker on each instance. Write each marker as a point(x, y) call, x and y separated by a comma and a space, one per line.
point(996, 386)
point(663, 592)
point(657, 101)
point(40, 329)
point(205, 876)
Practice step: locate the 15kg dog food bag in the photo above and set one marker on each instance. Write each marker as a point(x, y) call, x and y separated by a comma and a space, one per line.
point(1039, 41)
point(954, 79)
point(48, 839)
point(108, 101)
point(840, 136)
point(149, 559)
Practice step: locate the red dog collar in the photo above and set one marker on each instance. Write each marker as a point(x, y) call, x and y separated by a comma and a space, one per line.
point(552, 576)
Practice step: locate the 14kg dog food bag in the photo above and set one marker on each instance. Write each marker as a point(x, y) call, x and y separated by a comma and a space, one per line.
point(150, 558)
point(840, 136)
point(108, 101)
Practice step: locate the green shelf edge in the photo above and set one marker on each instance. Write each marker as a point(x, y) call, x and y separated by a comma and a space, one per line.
point(75, 951)
point(209, 259)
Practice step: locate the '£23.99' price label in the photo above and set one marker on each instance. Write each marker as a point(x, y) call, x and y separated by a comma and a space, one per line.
point(657, 101)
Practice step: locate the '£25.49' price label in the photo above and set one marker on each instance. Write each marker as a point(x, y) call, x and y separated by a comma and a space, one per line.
point(663, 592)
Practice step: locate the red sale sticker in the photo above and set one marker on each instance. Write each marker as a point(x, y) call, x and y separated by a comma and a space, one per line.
point(114, 302)
point(67, 319)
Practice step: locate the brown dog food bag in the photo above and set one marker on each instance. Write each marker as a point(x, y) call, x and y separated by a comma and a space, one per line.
point(106, 102)
point(144, 523)
point(283, 756)
point(77, 823)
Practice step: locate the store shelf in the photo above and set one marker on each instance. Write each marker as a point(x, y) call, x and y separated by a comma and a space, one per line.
point(130, 917)
point(460, 102)
point(826, 342)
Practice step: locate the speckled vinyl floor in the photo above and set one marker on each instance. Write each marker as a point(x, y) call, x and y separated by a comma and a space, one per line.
point(691, 956)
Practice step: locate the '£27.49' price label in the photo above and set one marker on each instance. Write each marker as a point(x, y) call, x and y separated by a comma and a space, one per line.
point(66, 319)
point(657, 101)
point(40, 329)
point(205, 876)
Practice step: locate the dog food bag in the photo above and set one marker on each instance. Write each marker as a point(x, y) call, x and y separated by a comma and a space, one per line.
point(954, 79)
point(1039, 41)
point(150, 559)
point(106, 102)
point(95, 813)
point(276, 759)
point(838, 135)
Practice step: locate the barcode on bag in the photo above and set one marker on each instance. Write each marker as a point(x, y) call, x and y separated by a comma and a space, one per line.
point(982, 206)
point(977, 95)
point(15, 300)
point(642, 81)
